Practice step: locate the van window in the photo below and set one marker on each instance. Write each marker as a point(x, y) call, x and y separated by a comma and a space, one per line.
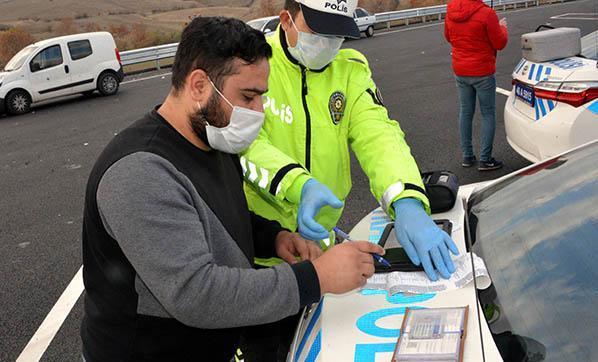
point(47, 58)
point(79, 49)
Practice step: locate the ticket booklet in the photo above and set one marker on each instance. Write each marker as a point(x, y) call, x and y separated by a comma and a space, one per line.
point(432, 334)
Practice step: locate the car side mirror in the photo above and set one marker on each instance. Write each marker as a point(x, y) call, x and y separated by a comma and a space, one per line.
point(266, 31)
point(35, 67)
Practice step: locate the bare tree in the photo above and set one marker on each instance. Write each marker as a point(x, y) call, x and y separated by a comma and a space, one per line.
point(66, 26)
point(378, 6)
point(139, 36)
point(91, 27)
point(269, 7)
point(11, 41)
point(119, 31)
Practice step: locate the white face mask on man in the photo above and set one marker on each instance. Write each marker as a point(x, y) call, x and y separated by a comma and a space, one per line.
point(242, 129)
point(314, 51)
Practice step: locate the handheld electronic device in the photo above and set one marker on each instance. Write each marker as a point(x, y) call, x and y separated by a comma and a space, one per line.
point(396, 255)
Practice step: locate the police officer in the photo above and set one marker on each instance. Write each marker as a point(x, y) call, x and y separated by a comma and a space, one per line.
point(321, 101)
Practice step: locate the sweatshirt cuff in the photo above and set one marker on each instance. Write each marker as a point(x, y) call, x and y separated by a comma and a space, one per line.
point(294, 191)
point(308, 282)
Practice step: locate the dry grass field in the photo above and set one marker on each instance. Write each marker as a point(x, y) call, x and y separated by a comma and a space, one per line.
point(134, 23)
point(45, 18)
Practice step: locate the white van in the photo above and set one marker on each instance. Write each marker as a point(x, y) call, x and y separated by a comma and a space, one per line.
point(58, 67)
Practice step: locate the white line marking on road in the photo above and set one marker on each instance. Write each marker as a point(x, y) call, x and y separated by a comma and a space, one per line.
point(147, 78)
point(42, 338)
point(576, 16)
point(504, 92)
point(519, 10)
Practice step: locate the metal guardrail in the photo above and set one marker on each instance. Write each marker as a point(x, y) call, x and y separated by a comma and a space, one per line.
point(438, 11)
point(410, 14)
point(150, 54)
point(157, 53)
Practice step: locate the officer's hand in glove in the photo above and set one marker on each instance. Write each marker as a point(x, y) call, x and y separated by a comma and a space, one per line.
point(423, 241)
point(314, 196)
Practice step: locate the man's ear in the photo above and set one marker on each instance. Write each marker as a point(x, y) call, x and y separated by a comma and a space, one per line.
point(285, 20)
point(198, 85)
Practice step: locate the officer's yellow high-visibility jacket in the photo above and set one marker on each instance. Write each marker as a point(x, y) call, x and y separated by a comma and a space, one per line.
point(312, 117)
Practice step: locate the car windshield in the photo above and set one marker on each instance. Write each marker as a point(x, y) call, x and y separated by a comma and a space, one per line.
point(538, 234)
point(589, 46)
point(257, 24)
point(17, 61)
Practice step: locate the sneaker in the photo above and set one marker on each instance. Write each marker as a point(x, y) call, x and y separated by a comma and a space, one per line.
point(490, 165)
point(468, 161)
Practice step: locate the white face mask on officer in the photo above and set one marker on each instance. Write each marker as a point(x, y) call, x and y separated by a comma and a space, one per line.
point(242, 129)
point(314, 51)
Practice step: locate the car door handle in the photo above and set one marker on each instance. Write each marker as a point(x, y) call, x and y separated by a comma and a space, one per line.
point(66, 69)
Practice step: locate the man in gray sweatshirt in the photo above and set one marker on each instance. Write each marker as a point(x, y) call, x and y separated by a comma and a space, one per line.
point(168, 240)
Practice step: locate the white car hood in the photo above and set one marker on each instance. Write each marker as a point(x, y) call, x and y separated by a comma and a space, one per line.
point(364, 325)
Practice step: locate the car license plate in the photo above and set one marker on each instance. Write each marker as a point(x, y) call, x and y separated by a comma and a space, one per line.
point(525, 93)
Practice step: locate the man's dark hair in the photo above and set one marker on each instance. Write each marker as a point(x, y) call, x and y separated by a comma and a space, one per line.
point(212, 44)
point(293, 7)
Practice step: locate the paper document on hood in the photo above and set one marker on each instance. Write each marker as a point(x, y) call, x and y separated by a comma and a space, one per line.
point(419, 283)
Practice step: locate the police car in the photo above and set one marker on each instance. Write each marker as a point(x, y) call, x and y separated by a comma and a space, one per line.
point(553, 105)
point(536, 231)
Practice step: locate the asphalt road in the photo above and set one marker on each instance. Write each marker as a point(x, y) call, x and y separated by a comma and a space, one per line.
point(46, 156)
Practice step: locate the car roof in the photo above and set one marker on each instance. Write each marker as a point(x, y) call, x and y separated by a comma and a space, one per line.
point(73, 37)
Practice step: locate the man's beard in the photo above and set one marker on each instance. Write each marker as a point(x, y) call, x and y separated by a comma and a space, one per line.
point(211, 114)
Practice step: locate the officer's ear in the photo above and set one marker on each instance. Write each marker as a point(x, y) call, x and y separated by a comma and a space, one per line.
point(285, 20)
point(198, 85)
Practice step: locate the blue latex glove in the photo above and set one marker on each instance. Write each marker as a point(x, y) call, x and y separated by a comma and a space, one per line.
point(423, 241)
point(314, 196)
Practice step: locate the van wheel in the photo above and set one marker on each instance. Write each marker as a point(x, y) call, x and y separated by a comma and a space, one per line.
point(369, 32)
point(108, 84)
point(18, 102)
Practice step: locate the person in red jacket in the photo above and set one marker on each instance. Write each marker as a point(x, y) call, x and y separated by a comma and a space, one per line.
point(475, 34)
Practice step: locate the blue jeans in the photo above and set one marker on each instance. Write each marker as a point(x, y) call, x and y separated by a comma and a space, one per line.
point(485, 89)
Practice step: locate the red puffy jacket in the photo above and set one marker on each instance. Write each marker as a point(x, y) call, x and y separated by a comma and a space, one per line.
point(473, 30)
